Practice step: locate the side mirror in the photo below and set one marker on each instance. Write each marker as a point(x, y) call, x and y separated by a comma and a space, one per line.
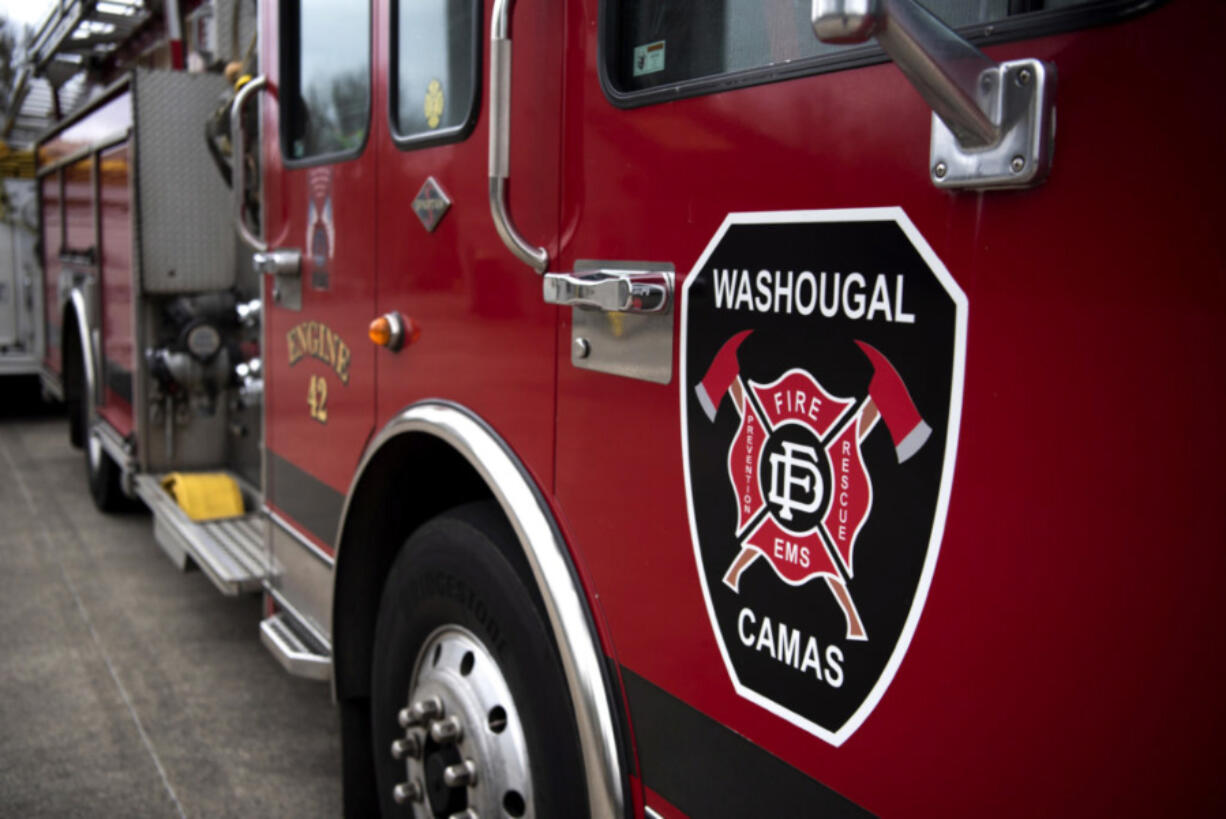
point(993, 124)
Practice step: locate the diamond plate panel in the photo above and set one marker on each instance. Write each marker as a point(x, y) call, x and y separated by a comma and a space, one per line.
point(186, 238)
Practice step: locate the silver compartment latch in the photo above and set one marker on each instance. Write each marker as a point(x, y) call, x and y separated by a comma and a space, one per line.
point(283, 262)
point(622, 316)
point(285, 265)
point(993, 124)
point(625, 291)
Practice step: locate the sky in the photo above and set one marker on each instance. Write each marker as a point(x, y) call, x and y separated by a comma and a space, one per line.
point(25, 11)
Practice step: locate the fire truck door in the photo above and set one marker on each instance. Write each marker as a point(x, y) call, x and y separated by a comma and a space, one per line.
point(762, 524)
point(486, 338)
point(319, 194)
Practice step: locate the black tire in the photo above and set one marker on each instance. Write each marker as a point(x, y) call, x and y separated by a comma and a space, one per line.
point(76, 435)
point(460, 570)
point(102, 473)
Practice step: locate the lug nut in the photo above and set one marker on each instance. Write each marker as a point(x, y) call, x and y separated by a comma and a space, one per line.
point(424, 710)
point(465, 814)
point(407, 792)
point(446, 731)
point(459, 775)
point(409, 746)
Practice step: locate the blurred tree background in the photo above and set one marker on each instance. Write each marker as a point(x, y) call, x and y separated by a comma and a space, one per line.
point(12, 42)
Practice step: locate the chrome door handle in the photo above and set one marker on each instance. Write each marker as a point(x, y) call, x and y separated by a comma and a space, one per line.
point(280, 262)
point(626, 291)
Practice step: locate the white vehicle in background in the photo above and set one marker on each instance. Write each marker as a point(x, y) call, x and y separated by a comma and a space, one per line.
point(21, 328)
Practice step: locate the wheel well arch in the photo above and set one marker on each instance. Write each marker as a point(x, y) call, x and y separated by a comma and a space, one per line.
point(468, 461)
point(376, 524)
point(70, 352)
point(77, 375)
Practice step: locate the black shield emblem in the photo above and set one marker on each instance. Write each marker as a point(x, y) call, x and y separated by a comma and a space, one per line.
point(822, 355)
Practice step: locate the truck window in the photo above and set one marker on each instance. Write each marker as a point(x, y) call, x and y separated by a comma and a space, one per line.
point(325, 78)
point(656, 50)
point(435, 69)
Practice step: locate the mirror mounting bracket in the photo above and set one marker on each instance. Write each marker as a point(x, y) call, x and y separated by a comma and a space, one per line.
point(993, 124)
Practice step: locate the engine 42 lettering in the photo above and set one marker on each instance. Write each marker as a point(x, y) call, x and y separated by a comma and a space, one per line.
point(819, 437)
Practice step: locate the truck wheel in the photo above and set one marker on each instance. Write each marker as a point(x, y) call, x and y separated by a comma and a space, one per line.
point(102, 473)
point(469, 704)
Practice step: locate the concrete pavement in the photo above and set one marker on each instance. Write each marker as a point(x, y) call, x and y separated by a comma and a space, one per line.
point(126, 687)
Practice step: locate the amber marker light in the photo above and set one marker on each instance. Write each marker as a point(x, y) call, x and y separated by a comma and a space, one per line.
point(380, 331)
point(393, 331)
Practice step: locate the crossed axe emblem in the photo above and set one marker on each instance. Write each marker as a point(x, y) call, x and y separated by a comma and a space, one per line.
point(888, 399)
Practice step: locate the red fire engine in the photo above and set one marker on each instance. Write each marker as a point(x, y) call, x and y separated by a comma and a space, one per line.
point(744, 410)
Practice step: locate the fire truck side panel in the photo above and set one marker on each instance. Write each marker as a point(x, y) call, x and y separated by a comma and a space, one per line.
point(69, 228)
point(319, 366)
point(51, 224)
point(487, 339)
point(118, 351)
point(78, 253)
point(1048, 668)
point(79, 206)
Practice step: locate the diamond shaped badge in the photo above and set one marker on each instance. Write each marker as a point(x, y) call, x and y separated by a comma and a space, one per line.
point(430, 204)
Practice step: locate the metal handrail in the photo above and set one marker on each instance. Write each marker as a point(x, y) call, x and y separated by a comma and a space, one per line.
point(500, 139)
point(240, 167)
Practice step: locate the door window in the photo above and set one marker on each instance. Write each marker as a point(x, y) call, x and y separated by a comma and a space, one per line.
point(325, 79)
point(435, 69)
point(662, 49)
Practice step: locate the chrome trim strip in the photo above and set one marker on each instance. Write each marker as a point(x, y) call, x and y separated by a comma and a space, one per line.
point(302, 622)
point(140, 365)
point(547, 554)
point(107, 94)
point(500, 139)
point(81, 153)
point(113, 445)
point(239, 168)
point(88, 353)
point(278, 637)
point(52, 384)
point(288, 528)
point(261, 45)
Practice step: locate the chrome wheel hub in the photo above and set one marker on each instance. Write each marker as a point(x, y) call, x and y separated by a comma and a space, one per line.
point(463, 748)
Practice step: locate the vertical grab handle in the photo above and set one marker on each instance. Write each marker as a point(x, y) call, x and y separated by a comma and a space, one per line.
point(500, 139)
point(240, 166)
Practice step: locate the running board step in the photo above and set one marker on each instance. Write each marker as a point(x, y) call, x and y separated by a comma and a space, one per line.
point(293, 652)
point(229, 551)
